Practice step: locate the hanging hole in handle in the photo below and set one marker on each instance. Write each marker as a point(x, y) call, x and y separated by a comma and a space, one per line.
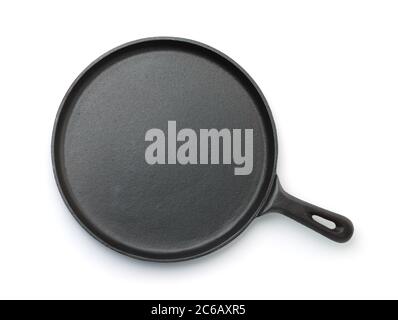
point(325, 222)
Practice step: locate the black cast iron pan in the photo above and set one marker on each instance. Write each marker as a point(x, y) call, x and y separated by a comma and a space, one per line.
point(165, 149)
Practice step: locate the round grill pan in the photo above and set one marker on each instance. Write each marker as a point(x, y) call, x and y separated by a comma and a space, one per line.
point(165, 149)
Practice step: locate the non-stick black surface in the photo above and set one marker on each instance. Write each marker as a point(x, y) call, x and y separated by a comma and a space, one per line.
point(166, 211)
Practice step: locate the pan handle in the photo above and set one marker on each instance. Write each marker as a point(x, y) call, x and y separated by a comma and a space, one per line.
point(316, 218)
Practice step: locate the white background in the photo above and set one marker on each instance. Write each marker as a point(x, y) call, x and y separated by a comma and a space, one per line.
point(329, 70)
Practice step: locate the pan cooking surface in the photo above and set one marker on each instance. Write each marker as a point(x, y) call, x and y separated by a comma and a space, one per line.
point(167, 210)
